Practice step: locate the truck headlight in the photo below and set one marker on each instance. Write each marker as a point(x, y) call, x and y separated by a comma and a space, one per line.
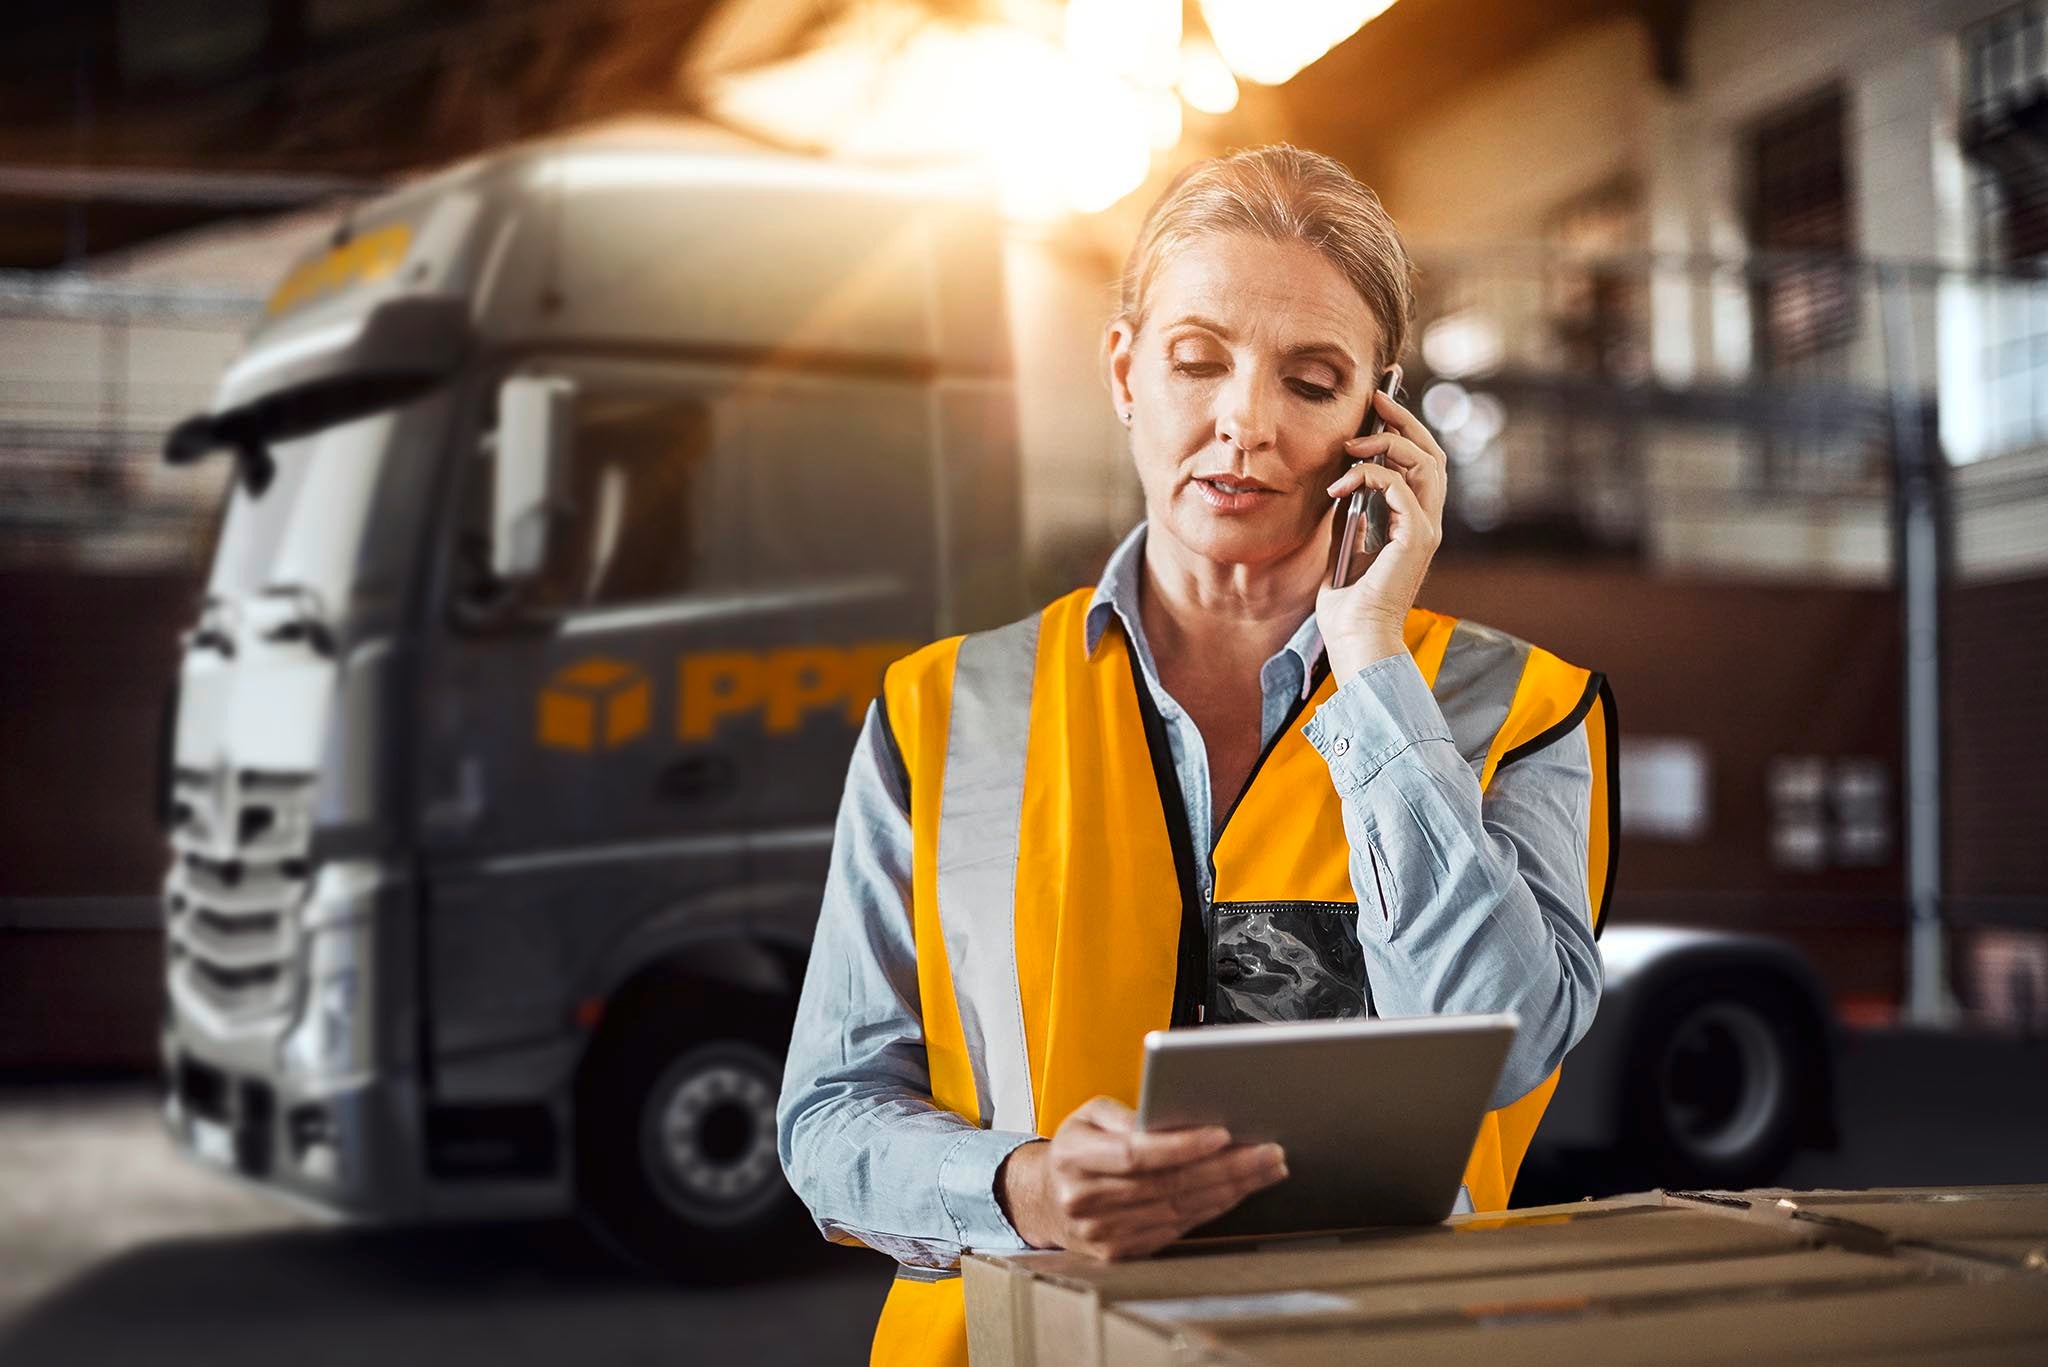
point(331, 1038)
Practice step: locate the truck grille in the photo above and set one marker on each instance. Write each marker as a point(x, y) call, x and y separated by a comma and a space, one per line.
point(238, 842)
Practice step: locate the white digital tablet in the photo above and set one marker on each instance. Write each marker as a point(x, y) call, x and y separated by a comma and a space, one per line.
point(1378, 1117)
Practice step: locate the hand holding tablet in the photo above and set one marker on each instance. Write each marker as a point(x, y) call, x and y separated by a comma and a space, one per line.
point(1377, 1117)
point(1104, 1187)
point(1266, 1129)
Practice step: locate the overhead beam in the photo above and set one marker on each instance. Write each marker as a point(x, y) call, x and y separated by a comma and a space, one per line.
point(206, 189)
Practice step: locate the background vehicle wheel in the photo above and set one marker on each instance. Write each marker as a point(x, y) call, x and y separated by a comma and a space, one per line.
point(676, 1166)
point(1716, 1083)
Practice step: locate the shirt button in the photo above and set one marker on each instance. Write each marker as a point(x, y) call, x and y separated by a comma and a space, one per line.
point(1343, 745)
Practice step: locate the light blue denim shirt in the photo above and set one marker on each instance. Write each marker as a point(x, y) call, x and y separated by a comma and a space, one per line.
point(1478, 904)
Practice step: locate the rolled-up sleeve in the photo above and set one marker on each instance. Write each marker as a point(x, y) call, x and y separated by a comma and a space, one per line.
point(862, 1142)
point(1466, 902)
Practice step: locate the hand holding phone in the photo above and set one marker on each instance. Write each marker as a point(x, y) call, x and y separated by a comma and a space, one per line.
point(1366, 507)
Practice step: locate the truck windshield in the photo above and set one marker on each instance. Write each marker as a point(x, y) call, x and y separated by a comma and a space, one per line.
point(306, 526)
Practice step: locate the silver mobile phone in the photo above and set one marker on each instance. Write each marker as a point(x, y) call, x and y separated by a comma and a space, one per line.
point(1364, 505)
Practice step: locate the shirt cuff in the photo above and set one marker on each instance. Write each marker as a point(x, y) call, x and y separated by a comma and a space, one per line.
point(1379, 712)
point(967, 1187)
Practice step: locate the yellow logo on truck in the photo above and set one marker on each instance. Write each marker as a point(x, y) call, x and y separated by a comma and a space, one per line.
point(595, 704)
point(784, 686)
point(600, 704)
point(372, 256)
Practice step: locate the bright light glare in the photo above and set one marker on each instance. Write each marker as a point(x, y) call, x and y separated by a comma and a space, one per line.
point(1489, 418)
point(1061, 134)
point(1446, 406)
point(1462, 343)
point(1205, 79)
point(1138, 40)
point(1166, 120)
point(1268, 41)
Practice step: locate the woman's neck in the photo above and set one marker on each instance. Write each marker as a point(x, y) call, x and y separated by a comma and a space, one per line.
point(1195, 608)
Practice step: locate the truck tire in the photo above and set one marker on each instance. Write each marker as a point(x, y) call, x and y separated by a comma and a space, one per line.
point(1716, 1081)
point(676, 1164)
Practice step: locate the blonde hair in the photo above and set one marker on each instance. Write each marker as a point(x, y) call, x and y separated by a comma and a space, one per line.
point(1283, 194)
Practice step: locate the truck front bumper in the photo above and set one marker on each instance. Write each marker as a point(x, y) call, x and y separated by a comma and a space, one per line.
point(352, 1152)
point(359, 1152)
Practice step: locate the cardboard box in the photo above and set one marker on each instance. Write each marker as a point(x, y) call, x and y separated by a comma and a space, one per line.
point(1168, 1333)
point(1047, 1307)
point(1927, 1318)
point(2004, 1227)
point(1778, 1276)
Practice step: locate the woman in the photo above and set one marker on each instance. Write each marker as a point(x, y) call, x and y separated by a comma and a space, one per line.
point(1110, 816)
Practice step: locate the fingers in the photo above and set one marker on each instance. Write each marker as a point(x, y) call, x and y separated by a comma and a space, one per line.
point(1242, 1163)
point(1104, 1143)
point(1400, 492)
point(1180, 1203)
point(1114, 1191)
point(1105, 1113)
point(1396, 450)
point(1414, 519)
point(1137, 1239)
point(1407, 424)
point(1423, 468)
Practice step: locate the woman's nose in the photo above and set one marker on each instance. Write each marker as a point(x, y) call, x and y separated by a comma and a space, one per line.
point(1245, 416)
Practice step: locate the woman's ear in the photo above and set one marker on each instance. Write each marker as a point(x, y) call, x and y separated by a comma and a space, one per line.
point(1118, 339)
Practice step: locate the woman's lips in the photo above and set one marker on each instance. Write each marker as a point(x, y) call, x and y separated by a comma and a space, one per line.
point(1230, 496)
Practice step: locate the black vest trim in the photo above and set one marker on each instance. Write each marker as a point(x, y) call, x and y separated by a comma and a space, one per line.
point(1191, 967)
point(1598, 691)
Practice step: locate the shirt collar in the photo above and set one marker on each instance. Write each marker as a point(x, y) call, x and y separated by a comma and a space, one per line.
point(1116, 594)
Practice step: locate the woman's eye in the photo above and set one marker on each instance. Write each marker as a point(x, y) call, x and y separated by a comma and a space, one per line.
point(1197, 367)
point(1315, 393)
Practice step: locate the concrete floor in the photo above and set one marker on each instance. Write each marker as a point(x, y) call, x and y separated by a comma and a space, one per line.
point(115, 1250)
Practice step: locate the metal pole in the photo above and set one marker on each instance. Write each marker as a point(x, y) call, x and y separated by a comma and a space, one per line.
point(1918, 541)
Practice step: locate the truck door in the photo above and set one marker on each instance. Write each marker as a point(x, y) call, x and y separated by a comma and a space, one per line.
point(668, 708)
point(560, 798)
point(842, 553)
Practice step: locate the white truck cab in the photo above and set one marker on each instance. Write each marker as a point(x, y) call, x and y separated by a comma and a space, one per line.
point(582, 493)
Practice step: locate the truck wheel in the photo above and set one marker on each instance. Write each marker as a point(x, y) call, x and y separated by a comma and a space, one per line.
point(676, 1165)
point(1716, 1077)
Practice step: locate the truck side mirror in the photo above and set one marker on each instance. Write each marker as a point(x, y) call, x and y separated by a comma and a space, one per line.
point(534, 413)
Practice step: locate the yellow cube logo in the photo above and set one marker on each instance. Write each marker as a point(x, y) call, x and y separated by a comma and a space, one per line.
point(595, 704)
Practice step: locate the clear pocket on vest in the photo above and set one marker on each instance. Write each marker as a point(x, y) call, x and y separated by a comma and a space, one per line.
point(1285, 961)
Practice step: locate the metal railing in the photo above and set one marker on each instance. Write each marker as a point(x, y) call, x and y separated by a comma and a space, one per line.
point(1628, 395)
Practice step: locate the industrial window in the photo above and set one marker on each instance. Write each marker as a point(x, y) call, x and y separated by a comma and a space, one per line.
point(1599, 300)
point(2005, 115)
point(2004, 121)
point(1799, 223)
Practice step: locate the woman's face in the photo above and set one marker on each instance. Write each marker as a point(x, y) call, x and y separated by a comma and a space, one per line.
point(1254, 365)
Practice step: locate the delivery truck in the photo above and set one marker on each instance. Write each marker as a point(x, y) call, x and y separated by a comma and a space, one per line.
point(581, 494)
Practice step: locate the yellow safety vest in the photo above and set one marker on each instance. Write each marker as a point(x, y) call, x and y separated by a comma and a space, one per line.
point(1051, 918)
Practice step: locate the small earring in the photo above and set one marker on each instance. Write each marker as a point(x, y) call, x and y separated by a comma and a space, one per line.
point(1125, 414)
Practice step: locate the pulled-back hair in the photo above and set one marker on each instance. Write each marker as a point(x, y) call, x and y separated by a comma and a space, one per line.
point(1282, 194)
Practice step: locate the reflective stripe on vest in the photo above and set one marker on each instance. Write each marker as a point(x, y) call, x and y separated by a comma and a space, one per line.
point(1475, 686)
point(979, 811)
point(1043, 872)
